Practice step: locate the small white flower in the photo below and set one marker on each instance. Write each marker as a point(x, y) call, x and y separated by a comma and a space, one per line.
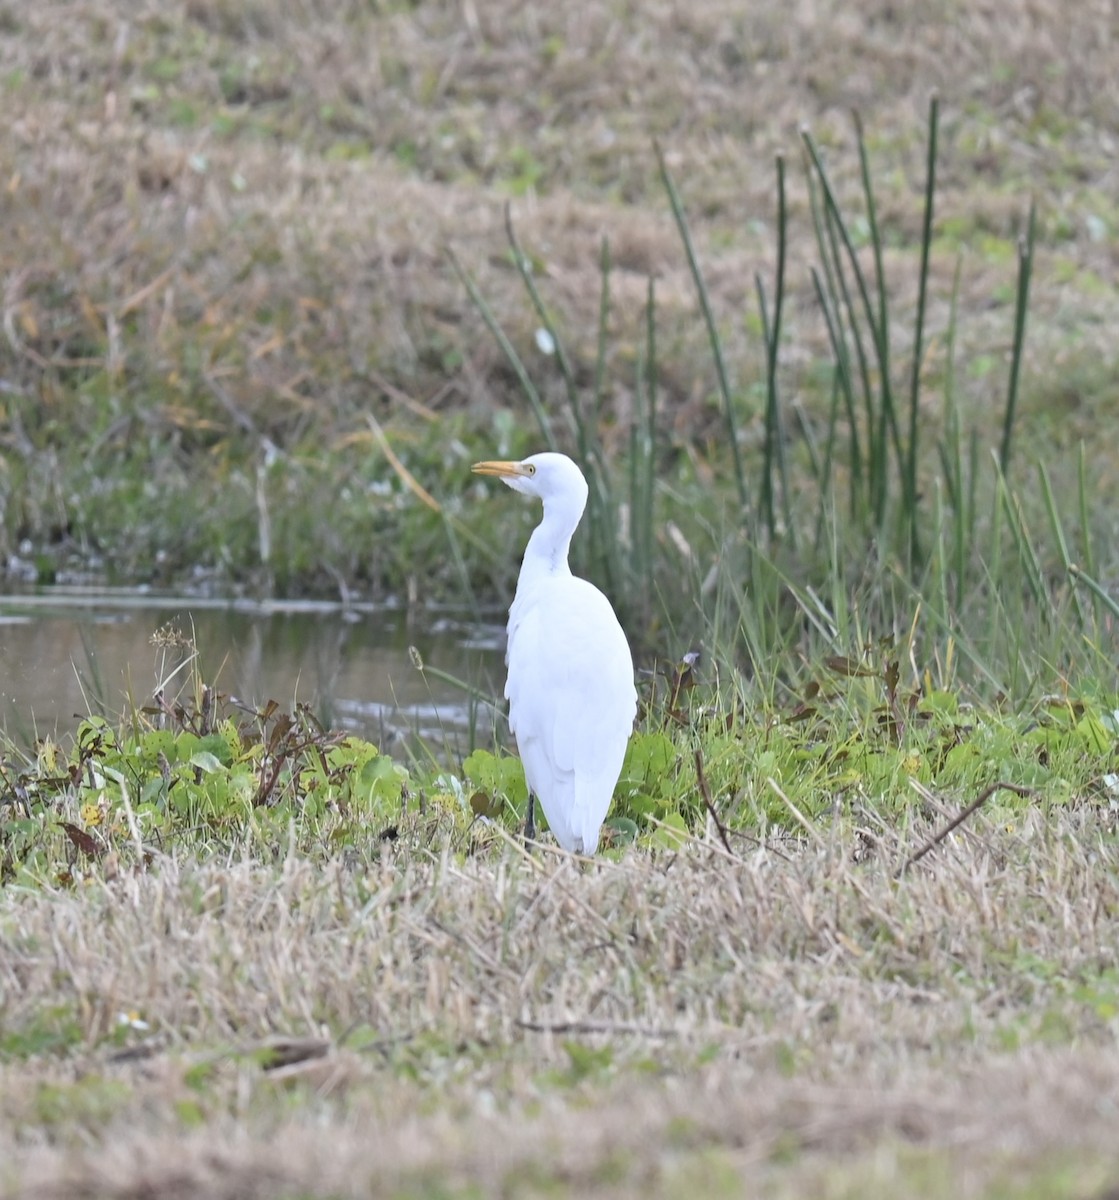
point(133, 1020)
point(545, 343)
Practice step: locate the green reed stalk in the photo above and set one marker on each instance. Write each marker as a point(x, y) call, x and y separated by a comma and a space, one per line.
point(919, 330)
point(680, 217)
point(774, 449)
point(1021, 306)
point(510, 352)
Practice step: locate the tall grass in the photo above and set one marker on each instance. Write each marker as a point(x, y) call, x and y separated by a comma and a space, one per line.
point(899, 524)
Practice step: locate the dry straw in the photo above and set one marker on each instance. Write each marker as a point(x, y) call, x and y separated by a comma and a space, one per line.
point(694, 1000)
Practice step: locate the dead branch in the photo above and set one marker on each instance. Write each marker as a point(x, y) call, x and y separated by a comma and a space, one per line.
point(957, 821)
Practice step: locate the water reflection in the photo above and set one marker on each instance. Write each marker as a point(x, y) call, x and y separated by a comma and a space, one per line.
point(67, 652)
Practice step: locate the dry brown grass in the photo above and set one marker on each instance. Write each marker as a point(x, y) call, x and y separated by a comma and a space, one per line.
point(779, 1019)
point(713, 1133)
point(250, 205)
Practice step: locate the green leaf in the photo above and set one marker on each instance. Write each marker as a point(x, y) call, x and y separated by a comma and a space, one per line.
point(221, 745)
point(154, 791)
point(500, 775)
point(205, 761)
point(670, 833)
point(623, 831)
point(353, 752)
point(156, 742)
point(648, 764)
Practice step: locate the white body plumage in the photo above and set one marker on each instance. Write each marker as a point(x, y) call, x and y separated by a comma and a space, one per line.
point(570, 673)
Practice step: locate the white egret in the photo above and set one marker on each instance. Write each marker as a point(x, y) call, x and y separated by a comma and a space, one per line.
point(570, 673)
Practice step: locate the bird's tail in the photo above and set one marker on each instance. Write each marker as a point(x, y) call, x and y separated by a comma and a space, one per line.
point(592, 801)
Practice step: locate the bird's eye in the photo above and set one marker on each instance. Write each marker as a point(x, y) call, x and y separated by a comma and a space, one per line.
point(531, 469)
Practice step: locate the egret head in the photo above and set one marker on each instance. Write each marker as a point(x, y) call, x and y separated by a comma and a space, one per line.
point(546, 476)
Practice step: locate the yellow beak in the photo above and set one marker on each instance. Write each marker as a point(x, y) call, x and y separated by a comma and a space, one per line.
point(504, 470)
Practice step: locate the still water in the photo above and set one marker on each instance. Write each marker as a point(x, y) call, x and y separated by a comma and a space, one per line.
point(66, 652)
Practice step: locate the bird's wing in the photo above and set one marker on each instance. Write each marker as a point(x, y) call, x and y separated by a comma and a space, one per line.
point(570, 673)
point(571, 703)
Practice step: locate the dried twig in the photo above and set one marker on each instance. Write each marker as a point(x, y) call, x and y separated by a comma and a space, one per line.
point(617, 1027)
point(705, 792)
point(275, 1053)
point(957, 821)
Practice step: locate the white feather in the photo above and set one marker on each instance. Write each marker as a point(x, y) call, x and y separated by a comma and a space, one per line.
point(570, 684)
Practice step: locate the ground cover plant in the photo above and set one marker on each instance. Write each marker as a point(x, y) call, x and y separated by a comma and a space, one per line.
point(836, 351)
point(860, 945)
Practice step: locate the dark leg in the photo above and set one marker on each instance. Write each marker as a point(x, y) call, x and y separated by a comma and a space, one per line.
point(530, 819)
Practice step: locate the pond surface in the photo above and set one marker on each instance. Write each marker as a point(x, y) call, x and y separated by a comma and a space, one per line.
point(66, 652)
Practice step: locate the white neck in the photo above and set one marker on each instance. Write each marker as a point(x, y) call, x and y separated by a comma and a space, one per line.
point(546, 552)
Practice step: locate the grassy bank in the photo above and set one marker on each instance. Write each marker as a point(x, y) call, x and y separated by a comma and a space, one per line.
point(788, 1021)
point(226, 245)
point(264, 306)
point(274, 276)
point(859, 945)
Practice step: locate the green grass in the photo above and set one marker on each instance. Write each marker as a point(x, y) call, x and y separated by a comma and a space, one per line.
point(862, 527)
point(266, 927)
point(862, 738)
